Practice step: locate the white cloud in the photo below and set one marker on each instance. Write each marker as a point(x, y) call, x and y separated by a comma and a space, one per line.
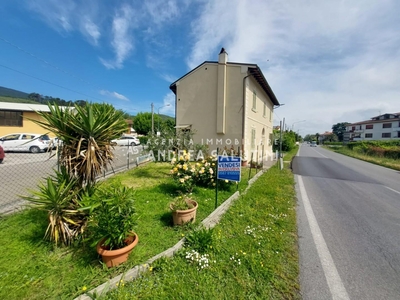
point(168, 77)
point(113, 94)
point(55, 13)
point(168, 106)
point(91, 30)
point(328, 61)
point(122, 42)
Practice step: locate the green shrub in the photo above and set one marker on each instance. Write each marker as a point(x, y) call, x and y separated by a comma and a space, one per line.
point(200, 240)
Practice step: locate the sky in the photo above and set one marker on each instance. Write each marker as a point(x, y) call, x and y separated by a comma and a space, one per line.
point(327, 61)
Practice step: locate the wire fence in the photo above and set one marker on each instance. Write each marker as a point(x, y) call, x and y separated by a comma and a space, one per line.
point(22, 172)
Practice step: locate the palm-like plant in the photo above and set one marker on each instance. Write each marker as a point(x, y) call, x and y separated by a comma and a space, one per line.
point(86, 134)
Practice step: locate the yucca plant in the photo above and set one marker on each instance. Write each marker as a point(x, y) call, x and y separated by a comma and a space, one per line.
point(86, 134)
point(59, 196)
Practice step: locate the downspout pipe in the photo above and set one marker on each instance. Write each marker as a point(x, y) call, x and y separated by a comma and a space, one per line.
point(244, 111)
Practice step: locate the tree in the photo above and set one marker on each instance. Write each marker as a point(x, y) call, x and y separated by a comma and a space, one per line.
point(339, 129)
point(142, 123)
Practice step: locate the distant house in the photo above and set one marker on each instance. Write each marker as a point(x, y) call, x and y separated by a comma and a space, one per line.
point(382, 127)
point(326, 136)
point(14, 118)
point(226, 104)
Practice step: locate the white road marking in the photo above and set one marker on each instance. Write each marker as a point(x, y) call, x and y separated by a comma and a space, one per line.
point(320, 153)
point(392, 189)
point(335, 284)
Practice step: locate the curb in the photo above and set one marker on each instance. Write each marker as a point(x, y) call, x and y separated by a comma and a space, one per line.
point(209, 222)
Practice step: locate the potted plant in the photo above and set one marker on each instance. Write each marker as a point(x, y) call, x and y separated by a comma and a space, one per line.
point(183, 210)
point(112, 221)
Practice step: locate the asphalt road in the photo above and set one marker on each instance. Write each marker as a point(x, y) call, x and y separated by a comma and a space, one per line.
point(348, 225)
point(21, 172)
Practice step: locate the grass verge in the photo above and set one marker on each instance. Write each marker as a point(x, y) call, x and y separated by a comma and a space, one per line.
point(31, 268)
point(381, 161)
point(252, 252)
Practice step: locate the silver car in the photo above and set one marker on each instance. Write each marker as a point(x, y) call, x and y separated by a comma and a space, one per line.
point(127, 140)
point(24, 142)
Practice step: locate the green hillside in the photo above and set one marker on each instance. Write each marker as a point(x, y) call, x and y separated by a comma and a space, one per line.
point(12, 93)
point(16, 100)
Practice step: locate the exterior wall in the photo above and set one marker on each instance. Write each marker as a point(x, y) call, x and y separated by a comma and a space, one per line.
point(255, 120)
point(27, 125)
point(360, 132)
point(197, 105)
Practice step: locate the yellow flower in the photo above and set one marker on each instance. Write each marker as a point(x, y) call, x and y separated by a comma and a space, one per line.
point(150, 269)
point(182, 180)
point(181, 157)
point(185, 167)
point(226, 181)
point(84, 288)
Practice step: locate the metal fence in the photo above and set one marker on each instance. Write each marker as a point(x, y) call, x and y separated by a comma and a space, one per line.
point(21, 172)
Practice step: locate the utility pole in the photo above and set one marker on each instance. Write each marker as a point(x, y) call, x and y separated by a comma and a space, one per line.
point(152, 118)
point(280, 140)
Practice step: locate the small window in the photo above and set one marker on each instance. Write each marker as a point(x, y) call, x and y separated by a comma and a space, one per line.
point(265, 110)
point(253, 138)
point(369, 126)
point(270, 115)
point(10, 118)
point(386, 135)
point(368, 135)
point(387, 125)
point(254, 100)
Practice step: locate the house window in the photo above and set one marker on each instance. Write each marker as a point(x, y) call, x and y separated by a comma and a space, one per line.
point(398, 134)
point(270, 115)
point(386, 134)
point(10, 118)
point(253, 138)
point(265, 110)
point(370, 126)
point(387, 125)
point(254, 100)
point(368, 135)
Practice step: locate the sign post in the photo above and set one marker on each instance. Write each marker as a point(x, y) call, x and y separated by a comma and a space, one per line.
point(229, 168)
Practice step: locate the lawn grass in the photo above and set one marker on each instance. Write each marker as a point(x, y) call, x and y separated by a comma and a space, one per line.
point(253, 253)
point(31, 268)
point(381, 161)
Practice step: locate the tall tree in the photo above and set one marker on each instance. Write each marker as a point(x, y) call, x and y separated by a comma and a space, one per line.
point(339, 129)
point(142, 123)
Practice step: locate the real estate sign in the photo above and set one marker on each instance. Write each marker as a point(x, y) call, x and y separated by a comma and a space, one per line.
point(229, 168)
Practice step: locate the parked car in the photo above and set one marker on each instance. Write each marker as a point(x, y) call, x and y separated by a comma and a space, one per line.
point(127, 140)
point(313, 144)
point(32, 142)
point(2, 155)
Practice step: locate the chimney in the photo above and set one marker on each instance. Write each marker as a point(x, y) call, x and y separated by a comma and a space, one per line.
point(221, 91)
point(223, 56)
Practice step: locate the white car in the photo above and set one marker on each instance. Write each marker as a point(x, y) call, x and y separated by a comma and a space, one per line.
point(127, 141)
point(32, 142)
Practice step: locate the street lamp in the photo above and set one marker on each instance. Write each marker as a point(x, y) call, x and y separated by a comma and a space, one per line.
point(158, 113)
point(297, 122)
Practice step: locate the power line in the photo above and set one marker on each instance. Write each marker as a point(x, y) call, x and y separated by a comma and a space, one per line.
point(47, 63)
point(68, 89)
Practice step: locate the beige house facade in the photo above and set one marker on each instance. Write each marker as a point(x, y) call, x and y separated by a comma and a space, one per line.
point(228, 105)
point(15, 118)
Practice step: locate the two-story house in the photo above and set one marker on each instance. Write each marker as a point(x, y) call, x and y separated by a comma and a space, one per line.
point(382, 127)
point(227, 104)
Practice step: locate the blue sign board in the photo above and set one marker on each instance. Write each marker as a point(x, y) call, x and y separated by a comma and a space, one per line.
point(229, 168)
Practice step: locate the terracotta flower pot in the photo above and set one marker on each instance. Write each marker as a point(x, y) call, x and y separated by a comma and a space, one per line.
point(181, 217)
point(115, 257)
